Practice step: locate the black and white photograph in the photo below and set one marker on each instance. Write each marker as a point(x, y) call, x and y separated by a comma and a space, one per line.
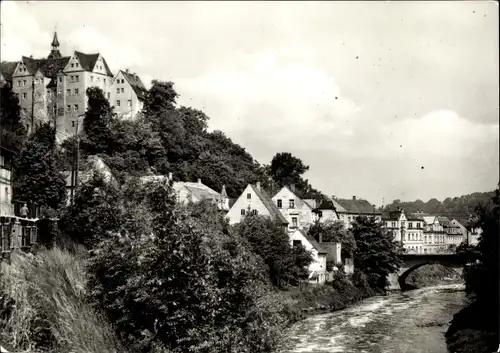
point(249, 177)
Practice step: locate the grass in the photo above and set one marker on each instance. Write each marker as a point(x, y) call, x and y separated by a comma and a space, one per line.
point(50, 312)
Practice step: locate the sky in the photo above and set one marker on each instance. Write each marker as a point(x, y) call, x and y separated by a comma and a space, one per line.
point(382, 100)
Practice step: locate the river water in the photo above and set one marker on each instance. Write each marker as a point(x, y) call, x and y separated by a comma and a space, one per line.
point(409, 322)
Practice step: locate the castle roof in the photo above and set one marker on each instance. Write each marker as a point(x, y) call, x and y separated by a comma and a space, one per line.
point(87, 61)
point(48, 67)
point(136, 84)
point(55, 42)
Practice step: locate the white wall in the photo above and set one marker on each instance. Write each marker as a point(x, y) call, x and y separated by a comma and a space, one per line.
point(319, 260)
point(234, 215)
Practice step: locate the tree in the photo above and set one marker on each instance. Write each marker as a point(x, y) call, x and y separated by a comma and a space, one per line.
point(334, 231)
point(272, 244)
point(96, 124)
point(161, 97)
point(36, 177)
point(376, 254)
point(12, 131)
point(286, 169)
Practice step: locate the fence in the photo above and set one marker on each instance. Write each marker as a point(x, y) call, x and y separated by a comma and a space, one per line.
point(17, 233)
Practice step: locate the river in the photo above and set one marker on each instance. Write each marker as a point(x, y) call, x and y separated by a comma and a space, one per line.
point(409, 322)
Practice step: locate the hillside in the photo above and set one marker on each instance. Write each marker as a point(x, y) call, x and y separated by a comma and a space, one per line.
point(457, 207)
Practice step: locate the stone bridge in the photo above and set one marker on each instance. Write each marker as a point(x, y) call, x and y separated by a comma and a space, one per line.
point(413, 261)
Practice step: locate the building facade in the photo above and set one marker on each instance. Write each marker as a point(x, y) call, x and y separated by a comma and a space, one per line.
point(127, 94)
point(434, 236)
point(6, 206)
point(349, 209)
point(297, 212)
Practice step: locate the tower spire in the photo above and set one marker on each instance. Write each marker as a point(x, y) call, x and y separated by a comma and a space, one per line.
point(55, 53)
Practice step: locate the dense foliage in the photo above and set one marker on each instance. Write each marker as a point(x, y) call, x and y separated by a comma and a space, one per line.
point(376, 253)
point(475, 328)
point(12, 131)
point(458, 207)
point(37, 179)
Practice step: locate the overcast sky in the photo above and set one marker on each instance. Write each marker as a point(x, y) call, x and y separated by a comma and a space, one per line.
point(382, 100)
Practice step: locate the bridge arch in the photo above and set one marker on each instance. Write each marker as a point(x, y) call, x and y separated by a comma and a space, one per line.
point(413, 262)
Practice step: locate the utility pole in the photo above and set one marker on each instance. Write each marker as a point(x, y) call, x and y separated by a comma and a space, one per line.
point(33, 103)
point(76, 162)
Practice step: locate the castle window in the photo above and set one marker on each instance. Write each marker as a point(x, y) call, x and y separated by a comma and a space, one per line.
point(123, 89)
point(72, 123)
point(130, 103)
point(25, 95)
point(68, 92)
point(98, 78)
point(118, 90)
point(72, 78)
point(76, 90)
point(19, 83)
point(76, 107)
point(76, 64)
point(60, 79)
point(118, 103)
point(72, 65)
point(77, 78)
point(60, 111)
point(68, 108)
point(24, 82)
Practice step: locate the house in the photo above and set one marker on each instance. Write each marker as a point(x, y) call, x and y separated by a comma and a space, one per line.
point(127, 94)
point(297, 212)
point(6, 206)
point(254, 200)
point(395, 221)
point(193, 191)
point(318, 253)
point(413, 241)
point(325, 211)
point(434, 235)
point(455, 231)
point(349, 209)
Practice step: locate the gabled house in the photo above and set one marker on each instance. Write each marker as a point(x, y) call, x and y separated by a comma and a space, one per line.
point(434, 235)
point(395, 221)
point(325, 211)
point(317, 251)
point(297, 212)
point(414, 239)
point(193, 191)
point(456, 233)
point(349, 209)
point(127, 94)
point(254, 200)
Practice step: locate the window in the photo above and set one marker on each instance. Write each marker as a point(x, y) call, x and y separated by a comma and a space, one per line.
point(123, 89)
point(410, 225)
point(91, 78)
point(118, 90)
point(72, 78)
point(130, 103)
point(249, 196)
point(76, 107)
point(320, 214)
point(279, 203)
point(242, 211)
point(117, 103)
point(68, 92)
point(77, 78)
point(296, 243)
point(72, 123)
point(109, 95)
point(36, 81)
point(72, 65)
point(68, 108)
point(98, 78)
point(24, 82)
point(60, 111)
point(253, 212)
point(76, 64)
point(25, 95)
point(60, 79)
point(418, 225)
point(19, 83)
point(394, 224)
point(425, 251)
point(291, 203)
point(123, 81)
point(294, 222)
point(104, 81)
point(76, 91)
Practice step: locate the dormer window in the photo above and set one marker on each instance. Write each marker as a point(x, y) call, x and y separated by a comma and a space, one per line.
point(72, 65)
point(249, 196)
point(76, 64)
point(279, 203)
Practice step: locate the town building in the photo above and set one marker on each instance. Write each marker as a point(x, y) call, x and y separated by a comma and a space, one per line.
point(325, 211)
point(349, 209)
point(6, 206)
point(254, 200)
point(455, 231)
point(318, 253)
point(297, 211)
point(413, 241)
point(395, 222)
point(434, 235)
point(127, 94)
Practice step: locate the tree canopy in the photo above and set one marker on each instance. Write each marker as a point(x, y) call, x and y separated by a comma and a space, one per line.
point(12, 131)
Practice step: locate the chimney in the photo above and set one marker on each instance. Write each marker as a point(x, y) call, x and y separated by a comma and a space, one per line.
point(170, 176)
point(320, 238)
point(199, 181)
point(258, 185)
point(354, 198)
point(126, 70)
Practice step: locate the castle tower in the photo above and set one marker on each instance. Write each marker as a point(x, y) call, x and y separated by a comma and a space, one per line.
point(55, 53)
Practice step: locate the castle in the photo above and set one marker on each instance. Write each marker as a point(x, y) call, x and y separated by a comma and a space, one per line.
point(54, 88)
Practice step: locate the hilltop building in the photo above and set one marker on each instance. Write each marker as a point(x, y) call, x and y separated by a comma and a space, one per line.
point(53, 89)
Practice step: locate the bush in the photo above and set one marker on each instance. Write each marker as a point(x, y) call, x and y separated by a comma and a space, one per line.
point(49, 311)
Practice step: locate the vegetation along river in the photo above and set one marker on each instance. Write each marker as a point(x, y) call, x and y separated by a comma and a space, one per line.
point(410, 322)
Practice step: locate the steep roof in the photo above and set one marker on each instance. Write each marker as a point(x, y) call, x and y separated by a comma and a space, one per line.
point(444, 221)
point(392, 215)
point(358, 206)
point(7, 69)
point(314, 243)
point(269, 204)
point(87, 61)
point(48, 67)
point(201, 191)
point(136, 84)
point(326, 205)
point(415, 217)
